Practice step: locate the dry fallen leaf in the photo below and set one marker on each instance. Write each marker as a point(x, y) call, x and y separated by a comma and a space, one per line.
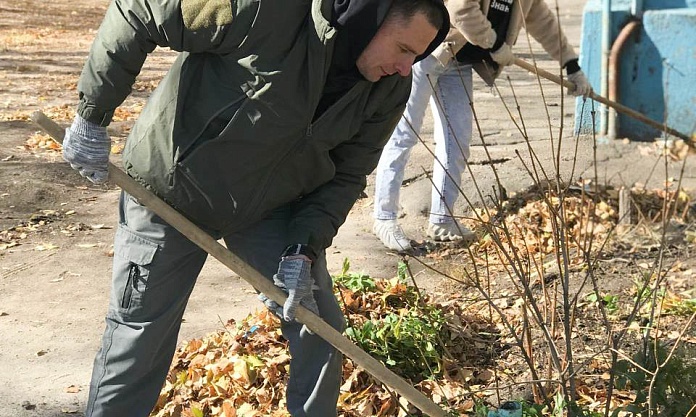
point(72, 389)
point(117, 148)
point(485, 375)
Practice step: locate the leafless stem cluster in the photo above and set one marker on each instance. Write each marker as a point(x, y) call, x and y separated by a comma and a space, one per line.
point(551, 280)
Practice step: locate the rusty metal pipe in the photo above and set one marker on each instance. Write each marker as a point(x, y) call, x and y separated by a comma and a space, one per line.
point(613, 79)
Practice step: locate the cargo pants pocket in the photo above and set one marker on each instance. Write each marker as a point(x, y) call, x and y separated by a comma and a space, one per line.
point(132, 257)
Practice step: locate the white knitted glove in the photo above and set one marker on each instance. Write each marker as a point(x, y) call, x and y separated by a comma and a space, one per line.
point(582, 85)
point(503, 55)
point(489, 39)
point(86, 147)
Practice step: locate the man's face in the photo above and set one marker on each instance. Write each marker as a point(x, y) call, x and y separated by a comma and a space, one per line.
point(395, 47)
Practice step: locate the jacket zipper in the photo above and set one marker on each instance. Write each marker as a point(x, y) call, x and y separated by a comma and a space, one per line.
point(195, 142)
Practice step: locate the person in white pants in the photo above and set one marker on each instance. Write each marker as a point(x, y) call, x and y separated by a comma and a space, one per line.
point(452, 83)
point(481, 36)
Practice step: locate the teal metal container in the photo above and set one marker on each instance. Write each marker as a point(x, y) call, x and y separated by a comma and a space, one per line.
point(657, 66)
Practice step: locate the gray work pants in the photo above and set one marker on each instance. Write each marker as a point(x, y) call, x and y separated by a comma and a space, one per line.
point(154, 271)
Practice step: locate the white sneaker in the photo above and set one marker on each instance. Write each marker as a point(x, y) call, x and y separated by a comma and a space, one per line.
point(391, 235)
point(451, 232)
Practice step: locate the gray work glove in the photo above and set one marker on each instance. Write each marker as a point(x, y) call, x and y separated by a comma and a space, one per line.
point(86, 147)
point(295, 279)
point(582, 85)
point(503, 56)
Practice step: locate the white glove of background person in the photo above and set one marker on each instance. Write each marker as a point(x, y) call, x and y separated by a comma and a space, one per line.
point(86, 147)
point(503, 55)
point(295, 279)
point(582, 85)
point(489, 39)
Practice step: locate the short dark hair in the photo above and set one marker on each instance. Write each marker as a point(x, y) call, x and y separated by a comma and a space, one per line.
point(406, 9)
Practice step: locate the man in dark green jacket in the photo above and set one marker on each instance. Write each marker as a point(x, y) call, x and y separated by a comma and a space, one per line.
point(262, 133)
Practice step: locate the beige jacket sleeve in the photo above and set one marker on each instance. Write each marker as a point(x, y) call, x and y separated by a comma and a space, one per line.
point(468, 24)
point(543, 26)
point(468, 18)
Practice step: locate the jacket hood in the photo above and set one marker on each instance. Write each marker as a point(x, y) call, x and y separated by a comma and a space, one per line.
point(359, 20)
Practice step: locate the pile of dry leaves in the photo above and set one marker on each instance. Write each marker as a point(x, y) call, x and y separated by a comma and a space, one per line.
point(532, 226)
point(242, 370)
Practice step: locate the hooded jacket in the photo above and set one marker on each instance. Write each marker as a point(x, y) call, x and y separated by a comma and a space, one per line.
point(469, 24)
point(229, 134)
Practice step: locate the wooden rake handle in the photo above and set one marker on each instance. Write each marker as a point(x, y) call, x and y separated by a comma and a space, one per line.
point(255, 278)
point(619, 107)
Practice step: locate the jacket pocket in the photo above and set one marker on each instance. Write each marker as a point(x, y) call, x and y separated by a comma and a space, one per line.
point(216, 125)
point(132, 257)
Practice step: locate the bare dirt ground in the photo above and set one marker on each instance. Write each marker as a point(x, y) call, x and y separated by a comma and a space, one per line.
point(55, 261)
